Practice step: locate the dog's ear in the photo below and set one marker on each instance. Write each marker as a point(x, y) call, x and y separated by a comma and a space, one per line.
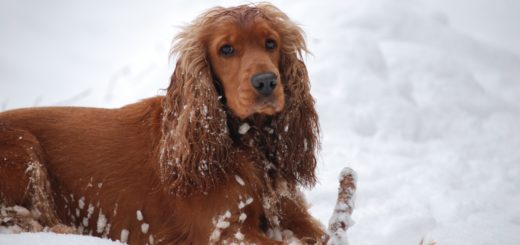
point(297, 133)
point(298, 127)
point(195, 137)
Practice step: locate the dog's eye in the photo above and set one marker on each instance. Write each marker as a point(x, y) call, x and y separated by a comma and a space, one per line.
point(227, 50)
point(270, 44)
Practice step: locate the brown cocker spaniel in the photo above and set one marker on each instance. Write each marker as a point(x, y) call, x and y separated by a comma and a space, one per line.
point(219, 159)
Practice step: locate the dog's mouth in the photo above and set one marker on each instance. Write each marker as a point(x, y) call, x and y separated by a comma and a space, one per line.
point(265, 106)
point(268, 106)
point(249, 102)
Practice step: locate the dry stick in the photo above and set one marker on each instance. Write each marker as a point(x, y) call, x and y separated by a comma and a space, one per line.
point(340, 220)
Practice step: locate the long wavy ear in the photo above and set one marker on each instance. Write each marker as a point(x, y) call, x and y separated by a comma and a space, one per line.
point(299, 141)
point(297, 131)
point(195, 139)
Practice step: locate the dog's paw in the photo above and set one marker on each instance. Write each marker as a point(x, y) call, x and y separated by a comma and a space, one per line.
point(341, 220)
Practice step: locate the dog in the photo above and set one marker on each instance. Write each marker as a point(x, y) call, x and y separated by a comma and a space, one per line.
point(220, 159)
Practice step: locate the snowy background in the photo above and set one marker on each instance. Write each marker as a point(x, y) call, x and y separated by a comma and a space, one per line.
point(421, 98)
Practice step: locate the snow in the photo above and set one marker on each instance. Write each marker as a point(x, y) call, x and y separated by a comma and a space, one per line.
point(101, 222)
point(239, 180)
point(275, 234)
point(239, 236)
point(21, 211)
point(242, 217)
point(124, 235)
point(220, 223)
point(81, 202)
point(341, 240)
point(421, 98)
point(139, 215)
point(244, 128)
point(90, 210)
point(144, 228)
point(243, 204)
point(47, 238)
point(249, 200)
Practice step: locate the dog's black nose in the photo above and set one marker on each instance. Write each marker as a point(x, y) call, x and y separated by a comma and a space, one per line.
point(264, 83)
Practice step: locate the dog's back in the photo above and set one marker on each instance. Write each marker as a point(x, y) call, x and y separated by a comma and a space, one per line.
point(63, 162)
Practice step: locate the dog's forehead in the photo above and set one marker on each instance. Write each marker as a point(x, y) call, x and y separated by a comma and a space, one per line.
point(235, 31)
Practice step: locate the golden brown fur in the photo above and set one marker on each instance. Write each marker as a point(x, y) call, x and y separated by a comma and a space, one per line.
point(183, 161)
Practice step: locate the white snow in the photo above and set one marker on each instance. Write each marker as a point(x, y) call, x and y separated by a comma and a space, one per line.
point(242, 217)
point(421, 98)
point(243, 128)
point(243, 204)
point(215, 235)
point(124, 235)
point(101, 222)
point(220, 224)
point(145, 227)
point(81, 202)
point(249, 200)
point(239, 180)
point(21, 211)
point(239, 236)
point(275, 234)
point(340, 240)
point(90, 210)
point(47, 238)
point(139, 215)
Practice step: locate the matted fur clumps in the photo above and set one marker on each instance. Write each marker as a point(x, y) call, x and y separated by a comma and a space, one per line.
point(197, 145)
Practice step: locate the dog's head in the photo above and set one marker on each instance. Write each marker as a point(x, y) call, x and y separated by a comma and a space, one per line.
point(243, 61)
point(245, 58)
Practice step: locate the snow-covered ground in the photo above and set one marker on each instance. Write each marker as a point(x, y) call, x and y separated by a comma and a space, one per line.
point(421, 98)
point(44, 238)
